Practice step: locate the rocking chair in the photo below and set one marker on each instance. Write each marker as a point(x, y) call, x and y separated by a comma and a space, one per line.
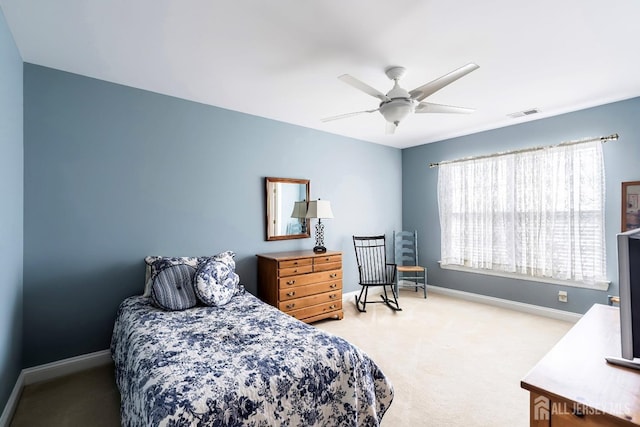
point(373, 269)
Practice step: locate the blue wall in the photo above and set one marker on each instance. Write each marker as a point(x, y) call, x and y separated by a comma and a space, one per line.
point(622, 163)
point(11, 211)
point(113, 174)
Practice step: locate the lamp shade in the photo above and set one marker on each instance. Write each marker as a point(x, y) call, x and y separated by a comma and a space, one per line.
point(299, 209)
point(319, 209)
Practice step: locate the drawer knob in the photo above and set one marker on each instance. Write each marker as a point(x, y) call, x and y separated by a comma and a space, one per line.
point(290, 294)
point(331, 307)
point(295, 263)
point(290, 306)
point(333, 296)
point(327, 259)
point(333, 275)
point(333, 285)
point(291, 282)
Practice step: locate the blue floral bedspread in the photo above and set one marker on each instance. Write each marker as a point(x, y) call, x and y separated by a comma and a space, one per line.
point(242, 364)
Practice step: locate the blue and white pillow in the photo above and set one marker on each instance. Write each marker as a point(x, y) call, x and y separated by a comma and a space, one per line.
point(172, 288)
point(215, 281)
point(225, 257)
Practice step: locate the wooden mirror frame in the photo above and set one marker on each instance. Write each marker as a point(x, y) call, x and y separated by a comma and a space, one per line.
point(630, 205)
point(272, 204)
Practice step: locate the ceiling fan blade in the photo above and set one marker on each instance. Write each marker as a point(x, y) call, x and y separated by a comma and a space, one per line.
point(344, 116)
point(428, 107)
point(432, 87)
point(390, 128)
point(352, 81)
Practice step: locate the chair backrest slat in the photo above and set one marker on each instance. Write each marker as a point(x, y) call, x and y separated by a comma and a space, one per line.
point(406, 247)
point(371, 256)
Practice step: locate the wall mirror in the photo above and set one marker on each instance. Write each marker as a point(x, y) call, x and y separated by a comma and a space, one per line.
point(286, 207)
point(630, 205)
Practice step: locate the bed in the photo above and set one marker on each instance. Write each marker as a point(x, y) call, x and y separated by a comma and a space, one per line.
point(245, 363)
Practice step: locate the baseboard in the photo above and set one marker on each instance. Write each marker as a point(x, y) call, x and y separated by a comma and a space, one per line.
point(64, 367)
point(12, 403)
point(553, 313)
point(51, 371)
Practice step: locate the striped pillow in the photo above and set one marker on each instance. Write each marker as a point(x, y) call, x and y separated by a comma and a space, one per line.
point(172, 288)
point(155, 264)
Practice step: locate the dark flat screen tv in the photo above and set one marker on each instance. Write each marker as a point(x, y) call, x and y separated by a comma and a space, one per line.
point(629, 284)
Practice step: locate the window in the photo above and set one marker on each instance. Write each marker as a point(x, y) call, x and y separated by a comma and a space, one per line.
point(535, 213)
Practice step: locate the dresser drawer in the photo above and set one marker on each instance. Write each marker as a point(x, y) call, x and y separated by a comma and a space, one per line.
point(328, 259)
point(306, 279)
point(292, 271)
point(587, 420)
point(327, 266)
point(295, 262)
point(316, 310)
point(303, 291)
point(308, 301)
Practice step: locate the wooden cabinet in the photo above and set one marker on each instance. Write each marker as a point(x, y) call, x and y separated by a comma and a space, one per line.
point(306, 285)
point(573, 385)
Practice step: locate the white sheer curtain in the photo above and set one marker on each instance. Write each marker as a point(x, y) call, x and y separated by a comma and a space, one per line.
point(536, 213)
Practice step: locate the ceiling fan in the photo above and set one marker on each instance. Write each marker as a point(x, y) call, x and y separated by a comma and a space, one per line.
point(398, 103)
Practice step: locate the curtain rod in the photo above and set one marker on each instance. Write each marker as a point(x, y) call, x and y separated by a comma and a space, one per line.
point(612, 137)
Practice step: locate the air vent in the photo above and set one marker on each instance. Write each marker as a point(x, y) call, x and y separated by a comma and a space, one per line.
point(524, 113)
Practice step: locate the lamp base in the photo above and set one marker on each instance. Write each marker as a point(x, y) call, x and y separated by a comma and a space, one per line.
point(319, 249)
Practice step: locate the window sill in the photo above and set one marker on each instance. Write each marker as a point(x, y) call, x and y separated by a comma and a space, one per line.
point(598, 286)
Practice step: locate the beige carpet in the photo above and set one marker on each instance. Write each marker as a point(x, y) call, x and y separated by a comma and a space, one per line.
point(452, 363)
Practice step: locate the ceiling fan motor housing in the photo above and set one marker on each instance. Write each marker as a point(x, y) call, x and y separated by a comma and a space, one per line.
point(400, 105)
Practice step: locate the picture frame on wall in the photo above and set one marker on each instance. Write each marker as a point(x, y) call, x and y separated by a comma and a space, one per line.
point(630, 205)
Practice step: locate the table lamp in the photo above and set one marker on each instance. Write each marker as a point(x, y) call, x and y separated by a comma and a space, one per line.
point(320, 209)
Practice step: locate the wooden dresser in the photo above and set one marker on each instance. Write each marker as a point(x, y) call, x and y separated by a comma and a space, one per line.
point(573, 385)
point(306, 285)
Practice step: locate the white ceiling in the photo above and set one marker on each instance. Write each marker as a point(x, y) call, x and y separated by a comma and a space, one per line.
point(279, 59)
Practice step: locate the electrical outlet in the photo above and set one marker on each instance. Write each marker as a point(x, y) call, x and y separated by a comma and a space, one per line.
point(562, 296)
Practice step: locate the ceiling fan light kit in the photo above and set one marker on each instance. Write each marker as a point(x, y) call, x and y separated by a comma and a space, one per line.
point(397, 109)
point(398, 103)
